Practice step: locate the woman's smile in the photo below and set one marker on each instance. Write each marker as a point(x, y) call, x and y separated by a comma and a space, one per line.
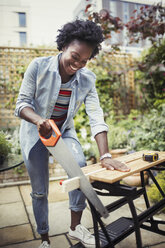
point(74, 69)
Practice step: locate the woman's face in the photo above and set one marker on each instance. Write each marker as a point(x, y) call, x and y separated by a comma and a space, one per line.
point(74, 57)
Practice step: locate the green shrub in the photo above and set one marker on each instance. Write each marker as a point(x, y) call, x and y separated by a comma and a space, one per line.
point(153, 193)
point(5, 147)
point(151, 133)
point(150, 78)
point(138, 132)
point(134, 132)
point(13, 138)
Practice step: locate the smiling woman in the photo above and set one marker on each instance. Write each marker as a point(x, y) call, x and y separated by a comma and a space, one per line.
point(54, 88)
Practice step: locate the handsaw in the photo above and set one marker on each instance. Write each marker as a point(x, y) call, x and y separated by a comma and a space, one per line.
point(61, 153)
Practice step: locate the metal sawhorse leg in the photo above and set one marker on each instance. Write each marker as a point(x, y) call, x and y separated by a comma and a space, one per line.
point(121, 228)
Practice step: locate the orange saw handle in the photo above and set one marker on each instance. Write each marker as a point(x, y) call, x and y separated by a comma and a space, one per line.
point(52, 140)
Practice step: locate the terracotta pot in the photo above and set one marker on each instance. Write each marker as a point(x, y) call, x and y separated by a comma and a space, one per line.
point(135, 179)
point(118, 152)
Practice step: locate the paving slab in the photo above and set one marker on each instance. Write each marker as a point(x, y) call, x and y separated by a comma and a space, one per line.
point(26, 244)
point(25, 192)
point(10, 194)
point(11, 235)
point(56, 242)
point(12, 214)
point(59, 218)
point(59, 242)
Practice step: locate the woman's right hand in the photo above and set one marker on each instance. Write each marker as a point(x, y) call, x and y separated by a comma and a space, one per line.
point(44, 127)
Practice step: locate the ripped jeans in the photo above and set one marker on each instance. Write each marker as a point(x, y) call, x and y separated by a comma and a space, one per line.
point(37, 166)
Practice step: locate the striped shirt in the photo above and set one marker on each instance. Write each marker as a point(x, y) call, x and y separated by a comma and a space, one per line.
point(60, 111)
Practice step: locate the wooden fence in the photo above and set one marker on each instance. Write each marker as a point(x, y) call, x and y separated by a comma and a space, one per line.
point(124, 99)
point(13, 62)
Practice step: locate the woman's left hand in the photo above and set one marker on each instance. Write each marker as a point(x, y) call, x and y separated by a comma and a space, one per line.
point(112, 164)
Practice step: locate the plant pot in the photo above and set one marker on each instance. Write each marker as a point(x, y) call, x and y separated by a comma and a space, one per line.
point(135, 179)
point(2, 159)
point(118, 152)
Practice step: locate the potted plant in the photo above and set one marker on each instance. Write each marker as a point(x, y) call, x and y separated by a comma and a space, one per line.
point(5, 147)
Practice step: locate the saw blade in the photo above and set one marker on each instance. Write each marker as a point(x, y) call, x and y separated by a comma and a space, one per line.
point(64, 157)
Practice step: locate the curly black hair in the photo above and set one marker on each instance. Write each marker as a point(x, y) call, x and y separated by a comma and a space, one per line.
point(80, 30)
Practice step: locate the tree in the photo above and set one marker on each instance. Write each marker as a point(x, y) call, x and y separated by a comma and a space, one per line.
point(151, 77)
point(149, 24)
point(108, 23)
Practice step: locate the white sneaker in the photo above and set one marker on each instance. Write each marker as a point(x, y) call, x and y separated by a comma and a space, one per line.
point(44, 244)
point(83, 235)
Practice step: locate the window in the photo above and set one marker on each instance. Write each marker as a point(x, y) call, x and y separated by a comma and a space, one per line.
point(126, 12)
point(22, 19)
point(126, 7)
point(113, 8)
point(22, 38)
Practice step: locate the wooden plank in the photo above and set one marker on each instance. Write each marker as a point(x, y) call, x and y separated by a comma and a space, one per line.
point(125, 158)
point(135, 165)
point(96, 173)
point(74, 183)
point(70, 184)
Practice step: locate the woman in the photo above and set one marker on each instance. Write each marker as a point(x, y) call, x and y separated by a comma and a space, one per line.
point(54, 88)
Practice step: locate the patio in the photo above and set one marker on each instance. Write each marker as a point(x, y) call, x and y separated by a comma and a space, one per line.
point(17, 225)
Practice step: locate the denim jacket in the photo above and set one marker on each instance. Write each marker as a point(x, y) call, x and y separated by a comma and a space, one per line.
point(39, 91)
